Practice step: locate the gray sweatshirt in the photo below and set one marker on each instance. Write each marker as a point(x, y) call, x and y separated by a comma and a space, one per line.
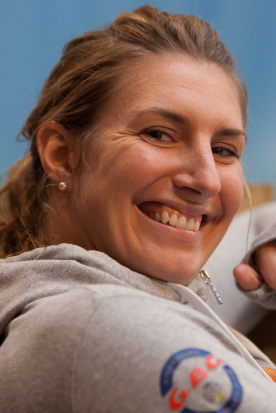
point(81, 333)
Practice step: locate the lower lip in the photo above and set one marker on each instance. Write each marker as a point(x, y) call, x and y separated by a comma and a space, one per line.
point(172, 231)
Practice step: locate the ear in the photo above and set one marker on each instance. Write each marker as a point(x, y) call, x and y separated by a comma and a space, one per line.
point(57, 151)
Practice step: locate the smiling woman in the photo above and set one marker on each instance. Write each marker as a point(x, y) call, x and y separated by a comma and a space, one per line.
point(132, 179)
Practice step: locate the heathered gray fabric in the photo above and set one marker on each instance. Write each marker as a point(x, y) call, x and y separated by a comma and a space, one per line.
point(81, 333)
point(264, 295)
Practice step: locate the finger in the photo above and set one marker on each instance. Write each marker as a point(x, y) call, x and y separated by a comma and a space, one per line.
point(247, 277)
point(266, 261)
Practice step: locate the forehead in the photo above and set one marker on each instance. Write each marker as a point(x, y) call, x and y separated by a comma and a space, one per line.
point(176, 81)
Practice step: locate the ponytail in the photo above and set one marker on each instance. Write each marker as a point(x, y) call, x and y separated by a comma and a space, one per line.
point(20, 209)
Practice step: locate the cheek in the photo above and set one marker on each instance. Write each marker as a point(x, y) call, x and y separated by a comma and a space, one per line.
point(141, 167)
point(232, 191)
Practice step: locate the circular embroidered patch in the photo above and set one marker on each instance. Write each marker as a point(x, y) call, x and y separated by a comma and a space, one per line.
point(193, 380)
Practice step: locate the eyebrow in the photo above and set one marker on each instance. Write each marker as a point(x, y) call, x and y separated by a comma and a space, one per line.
point(182, 120)
point(232, 132)
point(165, 113)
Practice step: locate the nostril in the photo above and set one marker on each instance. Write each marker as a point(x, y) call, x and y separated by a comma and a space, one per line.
point(200, 177)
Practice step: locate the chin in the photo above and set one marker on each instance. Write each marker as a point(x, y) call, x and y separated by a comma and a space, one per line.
point(177, 271)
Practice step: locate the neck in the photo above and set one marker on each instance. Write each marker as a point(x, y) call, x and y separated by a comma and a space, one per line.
point(59, 225)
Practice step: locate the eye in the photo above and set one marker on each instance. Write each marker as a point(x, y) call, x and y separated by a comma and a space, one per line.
point(158, 135)
point(224, 152)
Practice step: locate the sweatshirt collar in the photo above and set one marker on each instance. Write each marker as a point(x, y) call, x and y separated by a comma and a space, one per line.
point(56, 269)
point(99, 264)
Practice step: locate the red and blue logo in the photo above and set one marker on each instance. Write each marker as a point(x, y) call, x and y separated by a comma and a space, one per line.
point(193, 381)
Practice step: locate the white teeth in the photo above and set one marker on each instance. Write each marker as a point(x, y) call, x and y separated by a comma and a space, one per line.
point(181, 223)
point(197, 225)
point(173, 220)
point(165, 217)
point(157, 217)
point(190, 225)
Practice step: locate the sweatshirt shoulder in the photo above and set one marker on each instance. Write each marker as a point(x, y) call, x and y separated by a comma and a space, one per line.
point(112, 348)
point(150, 354)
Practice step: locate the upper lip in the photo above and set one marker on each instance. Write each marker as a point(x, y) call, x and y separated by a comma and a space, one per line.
point(190, 211)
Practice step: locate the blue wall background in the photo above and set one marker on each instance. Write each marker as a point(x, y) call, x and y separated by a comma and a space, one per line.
point(33, 32)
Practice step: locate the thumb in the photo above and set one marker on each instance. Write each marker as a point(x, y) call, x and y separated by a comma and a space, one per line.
point(247, 277)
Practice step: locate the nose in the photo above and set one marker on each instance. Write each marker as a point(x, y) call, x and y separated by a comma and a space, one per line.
point(198, 174)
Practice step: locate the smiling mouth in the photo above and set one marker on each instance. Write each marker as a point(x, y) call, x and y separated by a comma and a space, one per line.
point(167, 216)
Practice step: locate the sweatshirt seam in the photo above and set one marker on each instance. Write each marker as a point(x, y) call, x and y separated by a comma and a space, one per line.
point(76, 351)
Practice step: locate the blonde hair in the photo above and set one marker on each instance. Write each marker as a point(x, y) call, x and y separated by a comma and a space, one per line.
point(77, 88)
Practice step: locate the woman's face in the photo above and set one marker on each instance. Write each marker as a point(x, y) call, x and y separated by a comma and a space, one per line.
point(169, 148)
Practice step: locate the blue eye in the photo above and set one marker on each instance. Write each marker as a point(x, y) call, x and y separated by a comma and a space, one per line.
point(158, 135)
point(224, 152)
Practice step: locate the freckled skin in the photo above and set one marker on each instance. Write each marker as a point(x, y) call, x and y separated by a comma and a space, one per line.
point(127, 166)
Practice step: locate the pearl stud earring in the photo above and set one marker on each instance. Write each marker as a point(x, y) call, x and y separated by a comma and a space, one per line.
point(62, 186)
